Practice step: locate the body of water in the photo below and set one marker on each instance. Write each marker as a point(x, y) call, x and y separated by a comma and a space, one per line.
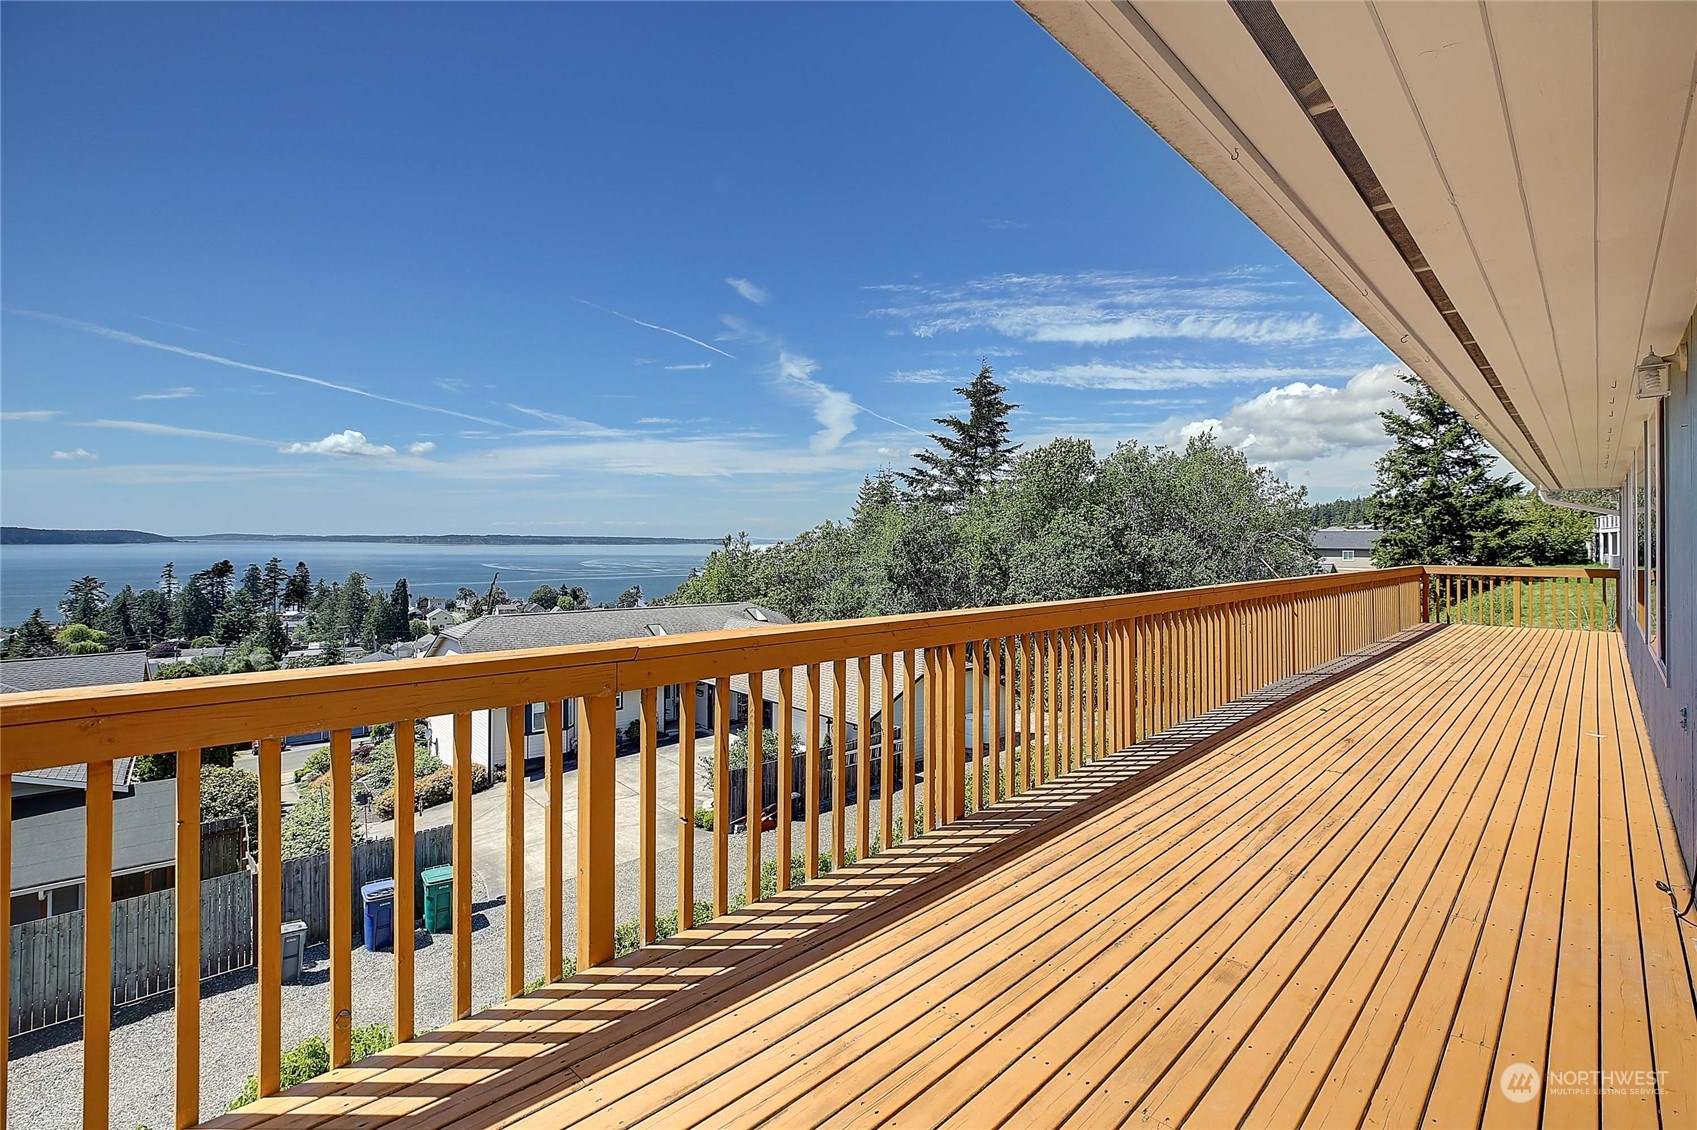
point(35, 576)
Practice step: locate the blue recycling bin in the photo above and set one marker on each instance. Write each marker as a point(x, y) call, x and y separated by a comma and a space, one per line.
point(379, 898)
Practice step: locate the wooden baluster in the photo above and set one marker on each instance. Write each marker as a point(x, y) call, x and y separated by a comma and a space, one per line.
point(954, 805)
point(515, 750)
point(814, 788)
point(647, 802)
point(269, 959)
point(461, 914)
point(686, 804)
point(97, 949)
point(1001, 732)
point(786, 772)
point(406, 860)
point(597, 809)
point(1063, 666)
point(863, 756)
point(1052, 691)
point(342, 897)
point(1028, 754)
point(5, 939)
point(187, 936)
point(887, 755)
point(754, 784)
point(554, 846)
point(839, 763)
point(721, 795)
point(911, 743)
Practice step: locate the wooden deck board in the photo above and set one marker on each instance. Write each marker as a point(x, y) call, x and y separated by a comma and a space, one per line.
point(1361, 908)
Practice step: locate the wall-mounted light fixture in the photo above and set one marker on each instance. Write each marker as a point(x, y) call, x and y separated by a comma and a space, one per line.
point(1650, 377)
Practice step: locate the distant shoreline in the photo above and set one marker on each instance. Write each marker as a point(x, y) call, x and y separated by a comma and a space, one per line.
point(25, 535)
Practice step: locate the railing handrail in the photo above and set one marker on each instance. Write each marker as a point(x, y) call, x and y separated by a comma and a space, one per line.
point(1598, 572)
point(89, 725)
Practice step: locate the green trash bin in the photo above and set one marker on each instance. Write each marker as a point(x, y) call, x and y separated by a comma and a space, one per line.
point(438, 898)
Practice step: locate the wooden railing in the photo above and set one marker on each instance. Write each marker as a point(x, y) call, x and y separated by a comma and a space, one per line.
point(1051, 687)
point(1579, 598)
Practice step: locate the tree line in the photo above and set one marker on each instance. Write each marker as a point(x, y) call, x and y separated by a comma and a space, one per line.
point(978, 520)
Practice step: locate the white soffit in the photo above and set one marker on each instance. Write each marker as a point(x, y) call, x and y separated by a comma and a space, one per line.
point(1542, 158)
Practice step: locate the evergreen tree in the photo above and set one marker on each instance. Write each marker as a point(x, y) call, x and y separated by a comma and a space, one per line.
point(630, 598)
point(168, 580)
point(219, 582)
point(33, 639)
point(119, 620)
point(238, 619)
point(83, 601)
point(153, 615)
point(271, 635)
point(298, 591)
point(272, 584)
point(192, 614)
point(1435, 496)
point(973, 453)
point(253, 583)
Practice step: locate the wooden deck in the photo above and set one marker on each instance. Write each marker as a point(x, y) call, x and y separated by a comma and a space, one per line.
point(1362, 908)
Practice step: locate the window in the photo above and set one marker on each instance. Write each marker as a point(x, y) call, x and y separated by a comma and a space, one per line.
point(1349, 555)
point(536, 718)
point(1646, 558)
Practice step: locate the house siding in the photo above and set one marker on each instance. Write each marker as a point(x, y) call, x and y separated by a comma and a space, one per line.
point(1668, 686)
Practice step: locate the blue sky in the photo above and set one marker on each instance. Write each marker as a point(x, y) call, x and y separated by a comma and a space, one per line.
point(646, 269)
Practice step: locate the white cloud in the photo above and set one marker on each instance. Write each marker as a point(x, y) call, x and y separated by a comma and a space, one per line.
point(75, 453)
point(132, 339)
point(652, 326)
point(347, 442)
point(181, 392)
point(450, 384)
point(748, 290)
point(422, 447)
point(564, 425)
point(1300, 422)
point(36, 415)
point(1100, 374)
point(834, 410)
point(687, 368)
point(921, 377)
point(1099, 308)
point(659, 420)
point(146, 427)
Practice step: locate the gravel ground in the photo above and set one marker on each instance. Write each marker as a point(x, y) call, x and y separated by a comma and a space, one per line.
point(46, 1067)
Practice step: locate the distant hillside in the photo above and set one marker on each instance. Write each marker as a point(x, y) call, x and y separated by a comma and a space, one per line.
point(24, 535)
point(453, 539)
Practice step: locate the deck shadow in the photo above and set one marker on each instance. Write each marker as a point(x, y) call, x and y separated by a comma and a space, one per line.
point(504, 1059)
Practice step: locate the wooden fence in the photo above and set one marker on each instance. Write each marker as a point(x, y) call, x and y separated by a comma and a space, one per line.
point(306, 878)
point(45, 975)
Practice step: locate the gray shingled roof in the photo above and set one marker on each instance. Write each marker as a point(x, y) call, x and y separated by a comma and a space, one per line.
point(827, 687)
point(103, 669)
point(47, 845)
point(106, 668)
point(597, 625)
point(1333, 538)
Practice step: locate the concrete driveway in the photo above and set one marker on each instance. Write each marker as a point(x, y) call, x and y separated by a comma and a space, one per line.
point(489, 825)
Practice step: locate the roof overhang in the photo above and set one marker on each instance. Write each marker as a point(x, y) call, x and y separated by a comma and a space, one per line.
point(1504, 194)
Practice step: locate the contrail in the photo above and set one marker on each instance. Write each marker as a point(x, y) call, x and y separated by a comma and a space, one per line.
point(133, 339)
point(652, 326)
point(887, 420)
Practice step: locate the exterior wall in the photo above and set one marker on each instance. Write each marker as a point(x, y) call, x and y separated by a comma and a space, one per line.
point(1668, 685)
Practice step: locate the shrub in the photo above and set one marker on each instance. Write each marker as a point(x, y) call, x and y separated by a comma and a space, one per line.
point(311, 1058)
point(704, 819)
point(163, 766)
point(230, 792)
point(316, 765)
point(306, 829)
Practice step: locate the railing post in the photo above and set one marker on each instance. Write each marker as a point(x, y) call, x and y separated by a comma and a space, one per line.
point(97, 949)
point(786, 772)
point(1516, 585)
point(187, 939)
point(598, 725)
point(647, 801)
point(341, 897)
point(754, 784)
point(461, 915)
point(406, 859)
point(1425, 597)
point(514, 796)
point(270, 918)
point(686, 805)
point(5, 937)
point(554, 847)
point(955, 801)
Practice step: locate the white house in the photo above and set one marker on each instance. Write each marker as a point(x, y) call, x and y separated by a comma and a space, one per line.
point(438, 618)
point(1605, 540)
point(515, 631)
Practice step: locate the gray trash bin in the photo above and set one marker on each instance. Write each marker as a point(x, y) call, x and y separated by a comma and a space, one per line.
point(294, 950)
